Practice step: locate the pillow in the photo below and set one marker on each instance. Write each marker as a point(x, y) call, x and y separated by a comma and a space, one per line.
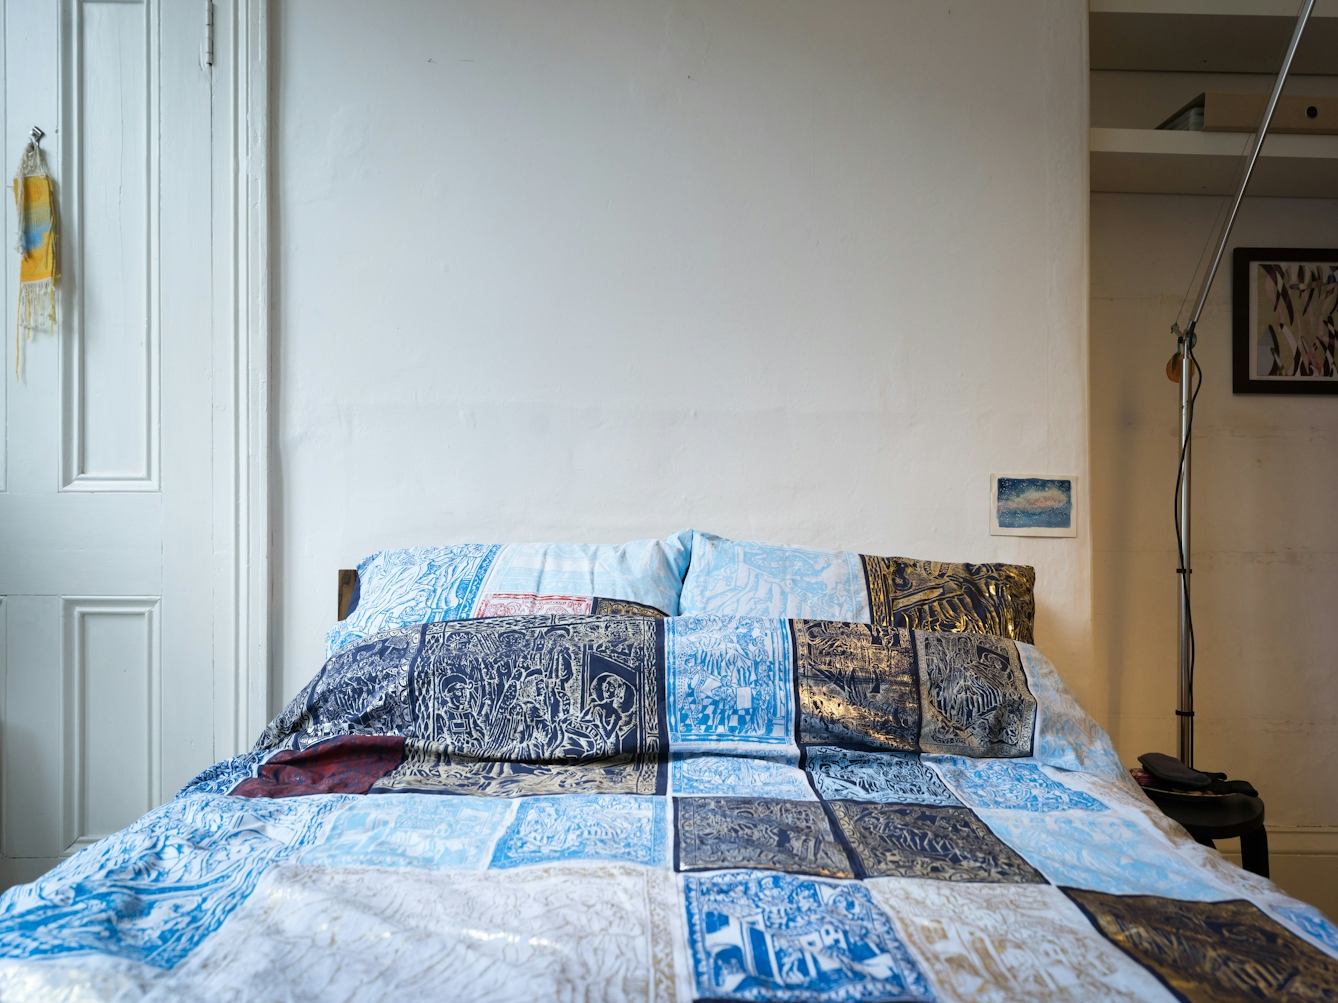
point(397, 588)
point(745, 578)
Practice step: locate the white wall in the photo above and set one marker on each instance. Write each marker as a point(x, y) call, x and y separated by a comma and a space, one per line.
point(800, 271)
point(1265, 541)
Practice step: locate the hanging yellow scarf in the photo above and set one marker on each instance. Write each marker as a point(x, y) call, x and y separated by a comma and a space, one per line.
point(36, 203)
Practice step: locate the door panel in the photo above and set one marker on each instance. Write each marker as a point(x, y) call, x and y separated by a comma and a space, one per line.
point(112, 767)
point(110, 534)
point(109, 390)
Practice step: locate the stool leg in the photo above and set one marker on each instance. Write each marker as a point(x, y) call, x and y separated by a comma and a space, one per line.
point(1254, 852)
point(1200, 838)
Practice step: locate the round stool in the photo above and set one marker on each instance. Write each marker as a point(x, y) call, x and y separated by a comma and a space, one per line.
point(1220, 816)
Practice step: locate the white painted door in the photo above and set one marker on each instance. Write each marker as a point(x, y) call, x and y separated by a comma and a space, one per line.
point(114, 546)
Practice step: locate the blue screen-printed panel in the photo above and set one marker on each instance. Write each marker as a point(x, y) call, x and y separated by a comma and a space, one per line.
point(783, 937)
point(729, 681)
point(1310, 921)
point(226, 774)
point(412, 830)
point(398, 588)
point(995, 783)
point(585, 827)
point(152, 892)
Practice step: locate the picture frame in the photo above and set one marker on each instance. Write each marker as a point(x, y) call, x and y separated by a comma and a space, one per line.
point(1033, 505)
point(1284, 337)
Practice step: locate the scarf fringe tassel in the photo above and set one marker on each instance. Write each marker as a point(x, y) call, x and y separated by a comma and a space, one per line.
point(37, 311)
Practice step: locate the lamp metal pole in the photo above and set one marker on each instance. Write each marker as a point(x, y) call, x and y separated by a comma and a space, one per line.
point(1185, 713)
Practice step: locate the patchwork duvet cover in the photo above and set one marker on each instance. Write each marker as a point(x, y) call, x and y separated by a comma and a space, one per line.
point(693, 808)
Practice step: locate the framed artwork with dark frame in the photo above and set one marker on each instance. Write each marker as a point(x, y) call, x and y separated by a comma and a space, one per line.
point(1284, 320)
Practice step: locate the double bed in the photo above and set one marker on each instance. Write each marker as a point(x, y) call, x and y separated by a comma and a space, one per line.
point(690, 769)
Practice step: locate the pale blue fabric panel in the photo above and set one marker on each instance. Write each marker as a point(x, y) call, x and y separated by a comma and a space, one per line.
point(398, 588)
point(1006, 783)
point(644, 571)
point(1100, 852)
point(1067, 736)
point(411, 830)
point(745, 578)
point(696, 775)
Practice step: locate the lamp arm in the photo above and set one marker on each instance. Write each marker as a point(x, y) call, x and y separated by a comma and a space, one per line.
point(1188, 392)
point(1304, 16)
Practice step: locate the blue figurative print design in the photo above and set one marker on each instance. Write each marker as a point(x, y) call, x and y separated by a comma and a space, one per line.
point(728, 681)
point(886, 777)
point(152, 892)
point(226, 774)
point(745, 776)
point(783, 937)
point(1310, 921)
point(399, 588)
point(995, 783)
point(413, 830)
point(1067, 736)
point(743, 578)
point(644, 571)
point(1101, 853)
point(585, 827)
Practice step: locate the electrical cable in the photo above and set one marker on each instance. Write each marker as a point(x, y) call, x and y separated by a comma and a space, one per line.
point(1187, 347)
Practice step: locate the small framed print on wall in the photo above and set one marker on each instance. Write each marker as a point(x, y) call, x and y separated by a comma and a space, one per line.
point(1283, 314)
point(1033, 505)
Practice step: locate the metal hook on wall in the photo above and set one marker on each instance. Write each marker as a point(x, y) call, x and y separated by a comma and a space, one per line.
point(37, 135)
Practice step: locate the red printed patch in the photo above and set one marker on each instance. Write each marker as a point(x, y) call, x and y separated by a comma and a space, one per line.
point(526, 604)
point(349, 764)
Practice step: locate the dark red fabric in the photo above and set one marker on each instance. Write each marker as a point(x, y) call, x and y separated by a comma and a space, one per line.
point(346, 765)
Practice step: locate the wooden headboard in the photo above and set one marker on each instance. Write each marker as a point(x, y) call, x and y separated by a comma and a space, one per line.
point(348, 581)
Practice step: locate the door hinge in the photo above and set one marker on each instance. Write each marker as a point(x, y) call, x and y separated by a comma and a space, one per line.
point(208, 33)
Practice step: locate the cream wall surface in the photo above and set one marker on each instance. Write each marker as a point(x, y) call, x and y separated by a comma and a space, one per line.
point(1265, 544)
point(592, 270)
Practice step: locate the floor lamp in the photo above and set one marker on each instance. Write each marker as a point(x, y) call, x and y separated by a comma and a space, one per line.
point(1184, 363)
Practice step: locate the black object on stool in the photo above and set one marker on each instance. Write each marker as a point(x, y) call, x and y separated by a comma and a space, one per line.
point(1209, 814)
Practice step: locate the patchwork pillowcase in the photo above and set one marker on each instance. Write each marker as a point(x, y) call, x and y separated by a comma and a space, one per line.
point(745, 578)
point(397, 588)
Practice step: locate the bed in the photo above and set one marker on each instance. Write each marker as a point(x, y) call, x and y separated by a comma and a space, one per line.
point(673, 800)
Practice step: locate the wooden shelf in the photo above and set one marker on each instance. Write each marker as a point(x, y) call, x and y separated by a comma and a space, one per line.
point(1207, 163)
point(1210, 36)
